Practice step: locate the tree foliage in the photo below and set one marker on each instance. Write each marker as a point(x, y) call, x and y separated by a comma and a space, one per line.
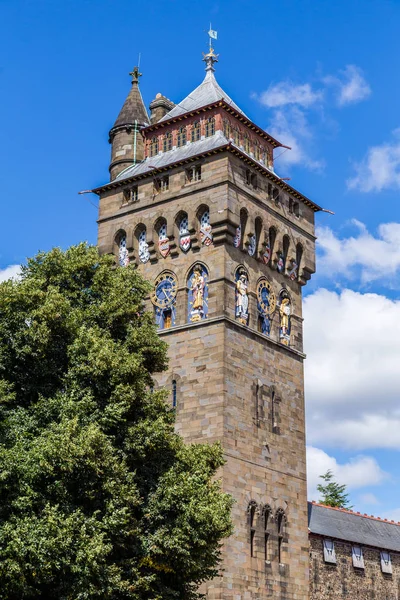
point(332, 493)
point(99, 498)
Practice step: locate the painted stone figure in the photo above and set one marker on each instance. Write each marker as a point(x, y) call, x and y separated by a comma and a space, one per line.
point(285, 312)
point(242, 298)
point(252, 245)
point(206, 229)
point(198, 294)
point(123, 257)
point(184, 235)
point(144, 253)
point(163, 241)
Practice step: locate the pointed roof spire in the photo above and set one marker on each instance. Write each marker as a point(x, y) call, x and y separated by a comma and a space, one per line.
point(133, 110)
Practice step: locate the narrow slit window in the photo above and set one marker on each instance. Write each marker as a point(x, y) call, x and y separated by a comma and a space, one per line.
point(386, 562)
point(252, 529)
point(174, 394)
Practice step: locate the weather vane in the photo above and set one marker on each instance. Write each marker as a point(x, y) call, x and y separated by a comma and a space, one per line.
point(213, 35)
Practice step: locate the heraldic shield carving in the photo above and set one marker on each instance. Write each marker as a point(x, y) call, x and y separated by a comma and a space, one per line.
point(206, 229)
point(163, 241)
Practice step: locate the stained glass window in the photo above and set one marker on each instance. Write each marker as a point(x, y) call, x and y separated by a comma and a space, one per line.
point(123, 257)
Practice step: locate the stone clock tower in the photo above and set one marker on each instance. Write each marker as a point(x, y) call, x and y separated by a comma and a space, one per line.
point(228, 246)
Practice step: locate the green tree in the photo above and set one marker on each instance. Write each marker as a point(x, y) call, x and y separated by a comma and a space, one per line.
point(99, 498)
point(332, 493)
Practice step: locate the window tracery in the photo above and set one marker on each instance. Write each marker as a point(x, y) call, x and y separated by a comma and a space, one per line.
point(196, 131)
point(181, 138)
point(167, 142)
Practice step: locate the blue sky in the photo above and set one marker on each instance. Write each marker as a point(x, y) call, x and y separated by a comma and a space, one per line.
point(323, 77)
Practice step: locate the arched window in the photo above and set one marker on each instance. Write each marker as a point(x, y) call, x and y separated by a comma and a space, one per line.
point(174, 394)
point(267, 514)
point(256, 151)
point(205, 228)
point(198, 293)
point(196, 131)
point(243, 223)
point(271, 239)
point(167, 142)
point(286, 244)
point(246, 144)
point(143, 247)
point(154, 146)
point(210, 126)
point(184, 235)
point(258, 229)
point(227, 129)
point(280, 523)
point(123, 256)
point(252, 526)
point(181, 138)
point(236, 136)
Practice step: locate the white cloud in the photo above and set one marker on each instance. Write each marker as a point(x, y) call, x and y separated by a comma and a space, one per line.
point(379, 169)
point(352, 341)
point(350, 84)
point(296, 105)
point(286, 92)
point(359, 472)
point(369, 498)
point(370, 257)
point(10, 272)
point(282, 127)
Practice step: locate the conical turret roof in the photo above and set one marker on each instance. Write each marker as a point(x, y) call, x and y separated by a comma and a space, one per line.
point(133, 108)
point(207, 92)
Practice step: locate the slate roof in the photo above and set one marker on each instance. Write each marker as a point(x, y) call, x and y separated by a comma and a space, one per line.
point(207, 92)
point(165, 158)
point(133, 109)
point(353, 527)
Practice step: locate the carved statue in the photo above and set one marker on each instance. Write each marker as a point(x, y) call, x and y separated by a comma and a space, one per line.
point(285, 311)
point(197, 288)
point(242, 299)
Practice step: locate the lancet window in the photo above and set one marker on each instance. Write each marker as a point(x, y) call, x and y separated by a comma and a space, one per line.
point(154, 146)
point(123, 257)
point(196, 132)
point(210, 126)
point(167, 142)
point(181, 138)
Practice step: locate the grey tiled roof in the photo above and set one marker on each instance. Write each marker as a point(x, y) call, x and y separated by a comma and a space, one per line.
point(207, 92)
point(349, 526)
point(165, 158)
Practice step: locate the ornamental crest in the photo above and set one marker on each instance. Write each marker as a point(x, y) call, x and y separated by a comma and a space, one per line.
point(184, 235)
point(144, 253)
point(206, 234)
point(206, 229)
point(266, 254)
point(163, 241)
point(252, 245)
point(163, 246)
point(293, 271)
point(123, 257)
point(281, 263)
point(238, 237)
